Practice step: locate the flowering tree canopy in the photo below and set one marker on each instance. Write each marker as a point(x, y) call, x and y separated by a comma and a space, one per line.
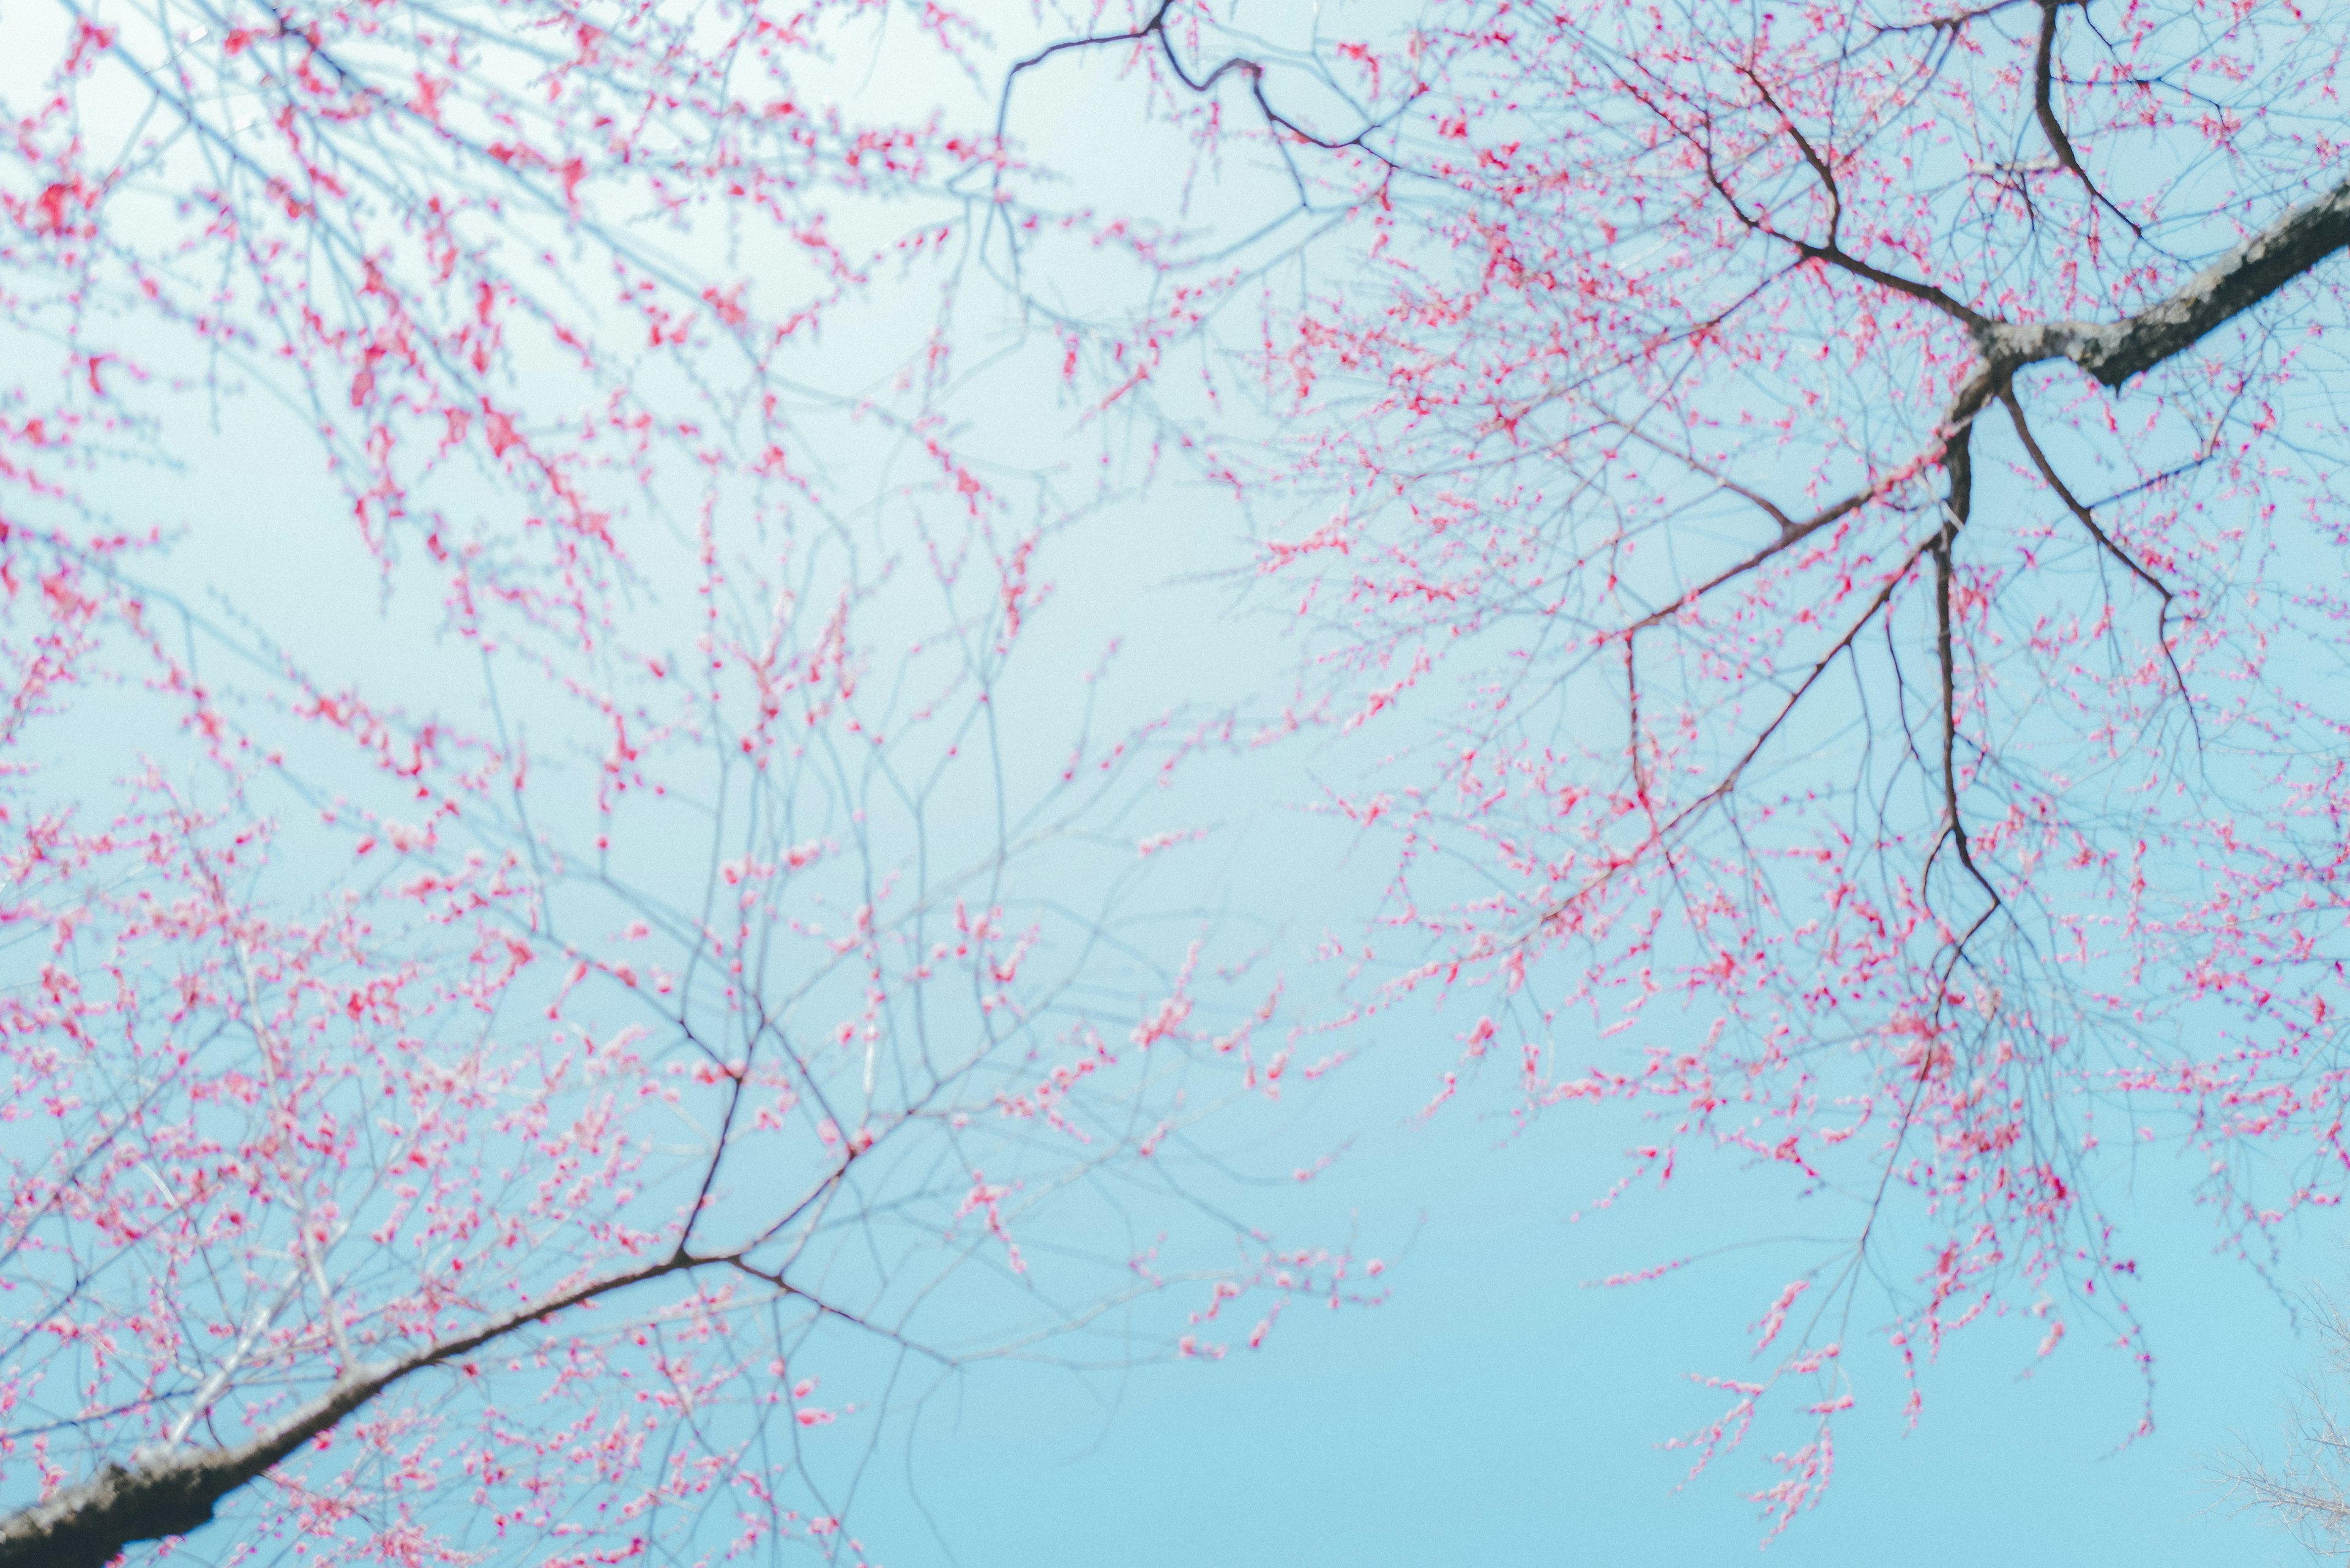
point(590, 956)
point(1832, 509)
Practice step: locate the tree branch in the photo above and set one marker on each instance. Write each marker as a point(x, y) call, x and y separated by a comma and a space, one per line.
point(2043, 104)
point(174, 1492)
point(1156, 28)
point(2087, 519)
point(1958, 458)
point(2114, 351)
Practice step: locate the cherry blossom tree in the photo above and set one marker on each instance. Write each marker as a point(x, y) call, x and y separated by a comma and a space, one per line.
point(1809, 533)
point(1825, 517)
point(567, 964)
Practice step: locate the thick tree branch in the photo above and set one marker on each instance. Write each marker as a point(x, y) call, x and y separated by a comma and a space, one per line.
point(175, 1491)
point(2114, 351)
point(86, 1525)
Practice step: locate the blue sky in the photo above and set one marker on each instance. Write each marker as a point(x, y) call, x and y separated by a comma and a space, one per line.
point(1496, 1412)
